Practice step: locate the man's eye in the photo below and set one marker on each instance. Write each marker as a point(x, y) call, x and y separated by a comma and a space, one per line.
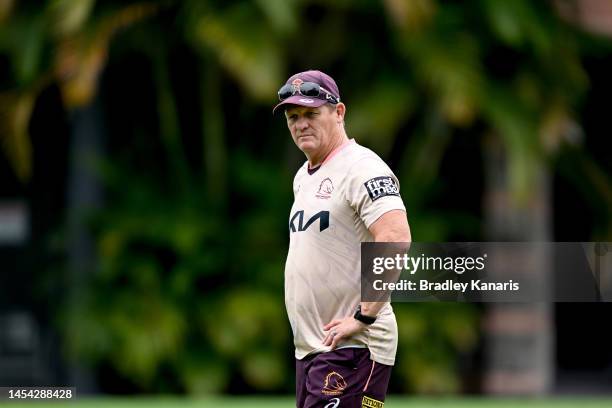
point(311, 114)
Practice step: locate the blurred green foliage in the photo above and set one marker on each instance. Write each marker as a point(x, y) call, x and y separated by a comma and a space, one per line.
point(184, 285)
point(189, 284)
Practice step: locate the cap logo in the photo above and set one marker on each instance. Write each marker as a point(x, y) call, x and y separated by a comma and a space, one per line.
point(296, 83)
point(306, 100)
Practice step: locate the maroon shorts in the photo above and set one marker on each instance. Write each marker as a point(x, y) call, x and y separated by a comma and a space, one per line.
point(344, 378)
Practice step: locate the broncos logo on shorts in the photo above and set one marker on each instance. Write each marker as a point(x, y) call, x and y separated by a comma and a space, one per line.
point(334, 384)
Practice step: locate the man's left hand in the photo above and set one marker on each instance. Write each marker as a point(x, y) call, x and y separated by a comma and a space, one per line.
point(341, 329)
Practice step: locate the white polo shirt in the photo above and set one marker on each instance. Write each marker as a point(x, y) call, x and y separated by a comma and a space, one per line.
point(332, 211)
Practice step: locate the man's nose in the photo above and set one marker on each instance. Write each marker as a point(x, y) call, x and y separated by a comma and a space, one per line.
point(301, 123)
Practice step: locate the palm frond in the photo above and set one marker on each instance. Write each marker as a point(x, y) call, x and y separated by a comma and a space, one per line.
point(15, 111)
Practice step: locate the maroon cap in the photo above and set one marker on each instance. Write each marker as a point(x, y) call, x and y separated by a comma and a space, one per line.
point(325, 81)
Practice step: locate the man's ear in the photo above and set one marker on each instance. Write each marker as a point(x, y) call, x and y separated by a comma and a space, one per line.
point(340, 110)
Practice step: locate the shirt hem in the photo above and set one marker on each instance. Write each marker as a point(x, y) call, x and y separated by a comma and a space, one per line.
point(380, 360)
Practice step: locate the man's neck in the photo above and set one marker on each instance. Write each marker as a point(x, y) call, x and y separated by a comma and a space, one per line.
point(317, 160)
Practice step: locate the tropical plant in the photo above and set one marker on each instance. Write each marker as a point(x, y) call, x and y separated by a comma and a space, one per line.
point(189, 246)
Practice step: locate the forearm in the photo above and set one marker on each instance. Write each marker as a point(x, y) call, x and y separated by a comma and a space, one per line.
point(371, 308)
point(391, 227)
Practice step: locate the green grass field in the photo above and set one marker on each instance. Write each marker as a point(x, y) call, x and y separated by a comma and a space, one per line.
point(288, 402)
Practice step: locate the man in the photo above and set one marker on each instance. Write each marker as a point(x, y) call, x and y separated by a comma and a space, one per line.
point(343, 195)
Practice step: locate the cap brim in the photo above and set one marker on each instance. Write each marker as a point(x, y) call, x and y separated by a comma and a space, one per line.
point(301, 101)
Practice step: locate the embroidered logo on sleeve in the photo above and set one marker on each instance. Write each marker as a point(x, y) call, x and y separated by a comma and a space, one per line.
point(381, 186)
point(368, 402)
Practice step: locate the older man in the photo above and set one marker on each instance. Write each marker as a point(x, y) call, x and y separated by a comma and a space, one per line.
point(344, 194)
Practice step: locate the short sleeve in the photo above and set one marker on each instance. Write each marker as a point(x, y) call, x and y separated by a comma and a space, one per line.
point(372, 190)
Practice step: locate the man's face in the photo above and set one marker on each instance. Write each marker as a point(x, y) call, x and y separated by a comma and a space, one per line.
point(313, 129)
